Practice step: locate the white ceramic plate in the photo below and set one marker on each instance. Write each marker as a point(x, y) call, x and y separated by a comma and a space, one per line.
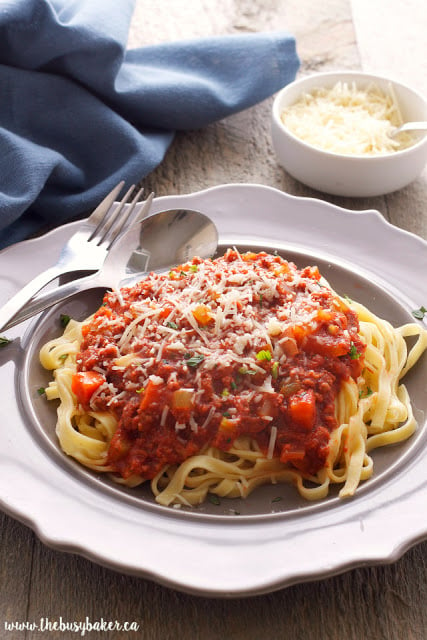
point(273, 539)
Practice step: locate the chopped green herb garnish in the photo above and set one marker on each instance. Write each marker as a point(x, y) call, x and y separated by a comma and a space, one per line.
point(41, 391)
point(195, 360)
point(365, 393)
point(64, 319)
point(277, 499)
point(4, 341)
point(141, 390)
point(172, 325)
point(275, 370)
point(213, 498)
point(264, 354)
point(194, 268)
point(225, 393)
point(353, 353)
point(63, 357)
point(419, 313)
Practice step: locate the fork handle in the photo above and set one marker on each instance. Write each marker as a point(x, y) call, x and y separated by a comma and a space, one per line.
point(20, 299)
point(47, 300)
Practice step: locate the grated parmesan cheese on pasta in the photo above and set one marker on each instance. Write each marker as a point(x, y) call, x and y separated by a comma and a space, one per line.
point(347, 120)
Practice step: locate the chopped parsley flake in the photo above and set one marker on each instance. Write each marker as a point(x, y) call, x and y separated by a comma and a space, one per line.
point(4, 341)
point(353, 353)
point(419, 313)
point(195, 360)
point(64, 319)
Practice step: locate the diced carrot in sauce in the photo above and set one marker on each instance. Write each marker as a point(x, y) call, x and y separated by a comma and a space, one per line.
point(202, 314)
point(289, 346)
point(165, 312)
point(302, 408)
point(151, 394)
point(182, 399)
point(228, 424)
point(249, 256)
point(324, 315)
point(311, 272)
point(85, 383)
point(299, 332)
point(281, 270)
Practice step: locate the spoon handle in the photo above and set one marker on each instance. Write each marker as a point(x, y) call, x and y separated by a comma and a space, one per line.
point(410, 126)
point(48, 299)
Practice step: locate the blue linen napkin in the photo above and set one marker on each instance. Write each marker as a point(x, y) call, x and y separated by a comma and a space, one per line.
point(79, 112)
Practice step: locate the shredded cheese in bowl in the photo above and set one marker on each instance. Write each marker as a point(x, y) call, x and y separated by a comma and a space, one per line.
point(348, 120)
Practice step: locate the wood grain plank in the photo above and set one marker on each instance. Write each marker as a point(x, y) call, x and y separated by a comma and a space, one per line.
point(379, 603)
point(16, 547)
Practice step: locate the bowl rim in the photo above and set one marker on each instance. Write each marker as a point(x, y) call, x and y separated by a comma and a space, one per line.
point(301, 81)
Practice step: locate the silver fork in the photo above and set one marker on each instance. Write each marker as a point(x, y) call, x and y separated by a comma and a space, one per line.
point(109, 275)
point(85, 250)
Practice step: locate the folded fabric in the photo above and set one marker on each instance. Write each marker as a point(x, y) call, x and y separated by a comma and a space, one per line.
point(79, 112)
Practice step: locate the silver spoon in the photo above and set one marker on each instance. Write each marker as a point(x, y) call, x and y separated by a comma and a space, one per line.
point(157, 243)
point(408, 126)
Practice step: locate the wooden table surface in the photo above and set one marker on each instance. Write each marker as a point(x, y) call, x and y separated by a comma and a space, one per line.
point(384, 602)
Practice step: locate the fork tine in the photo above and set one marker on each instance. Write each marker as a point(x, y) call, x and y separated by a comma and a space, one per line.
point(97, 216)
point(134, 215)
point(143, 212)
point(132, 219)
point(120, 222)
point(109, 216)
point(108, 223)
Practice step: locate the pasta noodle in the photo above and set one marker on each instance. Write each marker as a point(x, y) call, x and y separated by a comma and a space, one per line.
point(225, 375)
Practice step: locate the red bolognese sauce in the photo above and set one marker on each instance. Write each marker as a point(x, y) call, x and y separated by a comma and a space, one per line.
point(243, 345)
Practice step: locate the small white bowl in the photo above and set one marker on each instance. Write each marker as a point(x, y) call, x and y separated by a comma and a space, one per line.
point(349, 175)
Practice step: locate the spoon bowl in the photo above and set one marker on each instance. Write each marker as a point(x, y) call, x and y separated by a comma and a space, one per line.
point(172, 237)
